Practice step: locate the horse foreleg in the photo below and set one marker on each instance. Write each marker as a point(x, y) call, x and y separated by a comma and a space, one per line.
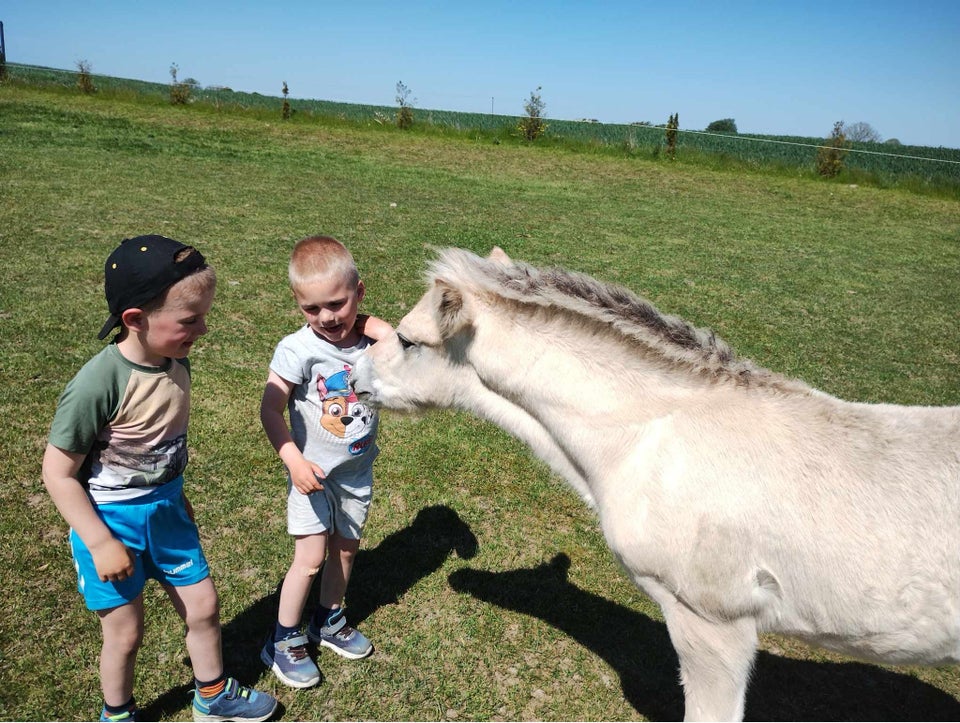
point(715, 662)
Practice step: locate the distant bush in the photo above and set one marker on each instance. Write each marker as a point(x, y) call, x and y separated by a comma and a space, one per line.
point(726, 125)
point(532, 125)
point(84, 78)
point(830, 157)
point(179, 92)
point(672, 125)
point(285, 111)
point(404, 107)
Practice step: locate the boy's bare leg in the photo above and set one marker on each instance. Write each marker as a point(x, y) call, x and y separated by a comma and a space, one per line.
point(122, 630)
point(336, 572)
point(308, 554)
point(331, 629)
point(199, 607)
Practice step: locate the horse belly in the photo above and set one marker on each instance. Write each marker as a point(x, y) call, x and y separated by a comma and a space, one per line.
point(894, 615)
point(804, 542)
point(838, 592)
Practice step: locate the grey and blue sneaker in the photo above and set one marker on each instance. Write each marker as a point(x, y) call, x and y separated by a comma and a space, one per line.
point(340, 637)
point(235, 702)
point(290, 661)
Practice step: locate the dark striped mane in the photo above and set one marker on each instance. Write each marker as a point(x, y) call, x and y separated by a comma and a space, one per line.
point(609, 305)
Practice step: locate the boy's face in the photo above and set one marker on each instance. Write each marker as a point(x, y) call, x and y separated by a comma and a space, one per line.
point(172, 329)
point(330, 308)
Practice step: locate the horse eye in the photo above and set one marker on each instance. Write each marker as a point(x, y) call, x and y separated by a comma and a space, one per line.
point(405, 342)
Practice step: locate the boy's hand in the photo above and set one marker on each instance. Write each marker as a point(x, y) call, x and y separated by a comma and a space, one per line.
point(373, 327)
point(306, 477)
point(114, 560)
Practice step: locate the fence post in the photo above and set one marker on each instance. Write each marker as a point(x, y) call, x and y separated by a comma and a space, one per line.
point(3, 55)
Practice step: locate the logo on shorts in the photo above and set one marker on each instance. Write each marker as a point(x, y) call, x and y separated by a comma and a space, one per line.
point(180, 568)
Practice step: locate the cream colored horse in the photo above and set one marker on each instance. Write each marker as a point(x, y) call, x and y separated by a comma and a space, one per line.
point(740, 501)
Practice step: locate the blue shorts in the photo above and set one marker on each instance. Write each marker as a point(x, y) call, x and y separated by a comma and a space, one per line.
point(164, 541)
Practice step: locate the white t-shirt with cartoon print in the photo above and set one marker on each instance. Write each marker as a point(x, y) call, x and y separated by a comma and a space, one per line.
point(329, 425)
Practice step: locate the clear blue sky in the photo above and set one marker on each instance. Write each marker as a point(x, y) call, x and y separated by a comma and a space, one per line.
point(790, 68)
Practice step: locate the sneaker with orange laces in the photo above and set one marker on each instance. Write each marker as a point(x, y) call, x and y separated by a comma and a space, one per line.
point(235, 702)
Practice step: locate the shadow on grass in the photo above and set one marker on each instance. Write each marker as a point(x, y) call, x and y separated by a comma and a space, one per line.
point(380, 577)
point(638, 648)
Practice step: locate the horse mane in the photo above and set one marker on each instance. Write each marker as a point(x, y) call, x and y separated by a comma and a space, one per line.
point(610, 306)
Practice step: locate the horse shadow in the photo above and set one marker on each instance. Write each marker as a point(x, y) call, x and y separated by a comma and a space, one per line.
point(638, 648)
point(380, 577)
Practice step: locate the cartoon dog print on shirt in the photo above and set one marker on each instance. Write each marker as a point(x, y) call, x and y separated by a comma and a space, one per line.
point(344, 416)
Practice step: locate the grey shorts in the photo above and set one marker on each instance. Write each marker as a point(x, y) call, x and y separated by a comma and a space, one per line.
point(338, 508)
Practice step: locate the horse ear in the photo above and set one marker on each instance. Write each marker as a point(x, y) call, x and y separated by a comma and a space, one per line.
point(451, 311)
point(500, 256)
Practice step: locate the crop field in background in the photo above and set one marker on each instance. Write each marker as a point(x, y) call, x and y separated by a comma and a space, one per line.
point(912, 167)
point(483, 581)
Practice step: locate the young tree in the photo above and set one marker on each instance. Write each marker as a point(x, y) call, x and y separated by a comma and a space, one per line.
point(672, 125)
point(830, 156)
point(84, 78)
point(179, 92)
point(532, 126)
point(404, 106)
point(286, 112)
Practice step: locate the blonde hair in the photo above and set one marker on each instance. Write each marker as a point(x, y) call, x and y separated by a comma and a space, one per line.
point(195, 284)
point(317, 257)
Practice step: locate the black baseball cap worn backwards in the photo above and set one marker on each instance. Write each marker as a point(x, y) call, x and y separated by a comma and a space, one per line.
point(142, 268)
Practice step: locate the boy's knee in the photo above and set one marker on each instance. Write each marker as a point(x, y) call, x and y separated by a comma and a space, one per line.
point(309, 571)
point(203, 612)
point(122, 641)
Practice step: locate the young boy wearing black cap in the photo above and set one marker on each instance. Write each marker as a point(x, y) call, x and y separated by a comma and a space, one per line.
point(114, 468)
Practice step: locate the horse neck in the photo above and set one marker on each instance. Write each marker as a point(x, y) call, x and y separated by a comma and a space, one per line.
point(570, 381)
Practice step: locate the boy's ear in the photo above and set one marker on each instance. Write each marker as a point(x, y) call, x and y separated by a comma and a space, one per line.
point(134, 319)
point(361, 290)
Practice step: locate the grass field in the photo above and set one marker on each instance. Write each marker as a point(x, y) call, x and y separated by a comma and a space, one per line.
point(920, 168)
point(484, 584)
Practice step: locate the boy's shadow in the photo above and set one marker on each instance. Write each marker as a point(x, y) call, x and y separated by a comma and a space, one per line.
point(380, 577)
point(639, 650)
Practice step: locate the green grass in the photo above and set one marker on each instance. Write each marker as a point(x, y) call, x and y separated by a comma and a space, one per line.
point(922, 169)
point(483, 582)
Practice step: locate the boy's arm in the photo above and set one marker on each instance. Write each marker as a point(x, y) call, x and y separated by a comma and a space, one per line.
point(303, 473)
point(113, 560)
point(373, 326)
